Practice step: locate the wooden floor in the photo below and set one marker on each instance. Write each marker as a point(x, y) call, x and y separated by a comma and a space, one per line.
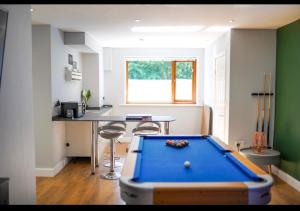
point(75, 185)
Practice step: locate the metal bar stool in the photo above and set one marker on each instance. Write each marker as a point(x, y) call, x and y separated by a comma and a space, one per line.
point(147, 128)
point(113, 133)
point(117, 123)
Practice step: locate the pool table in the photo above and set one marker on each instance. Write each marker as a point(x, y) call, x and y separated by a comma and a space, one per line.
point(154, 173)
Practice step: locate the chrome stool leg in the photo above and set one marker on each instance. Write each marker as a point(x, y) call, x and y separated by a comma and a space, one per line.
point(111, 175)
point(117, 163)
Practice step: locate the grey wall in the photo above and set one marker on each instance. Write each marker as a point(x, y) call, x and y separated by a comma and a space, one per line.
point(252, 52)
point(41, 67)
point(17, 150)
point(61, 89)
point(90, 78)
point(50, 57)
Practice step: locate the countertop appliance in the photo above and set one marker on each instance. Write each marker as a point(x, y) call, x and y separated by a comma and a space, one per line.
point(72, 109)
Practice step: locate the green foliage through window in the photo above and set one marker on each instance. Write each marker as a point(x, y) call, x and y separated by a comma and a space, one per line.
point(149, 70)
point(158, 70)
point(184, 70)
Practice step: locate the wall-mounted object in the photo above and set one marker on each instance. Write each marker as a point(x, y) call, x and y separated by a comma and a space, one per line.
point(70, 59)
point(75, 66)
point(70, 74)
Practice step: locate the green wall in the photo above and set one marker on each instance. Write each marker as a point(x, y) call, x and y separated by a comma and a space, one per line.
point(287, 110)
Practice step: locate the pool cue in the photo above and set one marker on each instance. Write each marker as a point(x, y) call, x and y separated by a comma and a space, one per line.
point(256, 133)
point(264, 105)
point(262, 134)
point(257, 112)
point(269, 111)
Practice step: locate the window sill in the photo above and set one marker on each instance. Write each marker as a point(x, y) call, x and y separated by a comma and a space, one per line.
point(161, 105)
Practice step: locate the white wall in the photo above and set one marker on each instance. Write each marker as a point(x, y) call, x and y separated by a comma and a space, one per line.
point(253, 52)
point(188, 118)
point(219, 46)
point(101, 75)
point(90, 77)
point(17, 157)
point(61, 89)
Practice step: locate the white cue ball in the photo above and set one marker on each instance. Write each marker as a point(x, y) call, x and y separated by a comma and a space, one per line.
point(187, 164)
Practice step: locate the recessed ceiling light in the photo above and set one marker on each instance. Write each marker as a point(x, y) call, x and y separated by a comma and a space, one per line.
point(137, 20)
point(166, 28)
point(218, 28)
point(31, 10)
point(231, 21)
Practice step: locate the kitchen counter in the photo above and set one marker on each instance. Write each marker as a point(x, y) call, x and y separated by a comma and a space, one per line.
point(96, 115)
point(90, 115)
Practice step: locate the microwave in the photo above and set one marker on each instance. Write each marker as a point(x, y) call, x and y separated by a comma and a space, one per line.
point(72, 109)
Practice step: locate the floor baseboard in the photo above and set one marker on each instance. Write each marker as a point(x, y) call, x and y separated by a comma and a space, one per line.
point(51, 172)
point(286, 177)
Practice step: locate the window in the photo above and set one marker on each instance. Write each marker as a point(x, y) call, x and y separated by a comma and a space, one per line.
point(161, 81)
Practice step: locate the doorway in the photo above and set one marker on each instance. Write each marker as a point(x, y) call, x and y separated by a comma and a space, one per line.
point(220, 97)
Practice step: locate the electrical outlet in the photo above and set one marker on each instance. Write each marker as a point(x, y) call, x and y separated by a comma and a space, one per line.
point(241, 144)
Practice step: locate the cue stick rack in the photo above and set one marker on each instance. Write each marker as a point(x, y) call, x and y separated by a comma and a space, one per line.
point(261, 94)
point(264, 94)
point(260, 140)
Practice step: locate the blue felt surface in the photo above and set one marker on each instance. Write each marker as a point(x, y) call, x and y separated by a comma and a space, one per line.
point(210, 162)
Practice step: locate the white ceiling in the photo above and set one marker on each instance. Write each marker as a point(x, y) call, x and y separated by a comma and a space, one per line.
point(111, 24)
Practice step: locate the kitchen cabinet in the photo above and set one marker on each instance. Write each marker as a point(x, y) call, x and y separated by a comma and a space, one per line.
point(78, 138)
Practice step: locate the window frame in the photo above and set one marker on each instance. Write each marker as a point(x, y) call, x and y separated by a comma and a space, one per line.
point(173, 88)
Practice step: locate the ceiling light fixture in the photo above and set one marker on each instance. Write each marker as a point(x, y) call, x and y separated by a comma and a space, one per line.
point(141, 39)
point(137, 20)
point(166, 28)
point(218, 29)
point(31, 10)
point(231, 21)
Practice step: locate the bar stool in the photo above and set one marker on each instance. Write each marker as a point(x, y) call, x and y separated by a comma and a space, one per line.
point(121, 124)
point(147, 128)
point(112, 132)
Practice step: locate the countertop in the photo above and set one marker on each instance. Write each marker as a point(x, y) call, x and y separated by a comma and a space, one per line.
point(90, 114)
point(96, 115)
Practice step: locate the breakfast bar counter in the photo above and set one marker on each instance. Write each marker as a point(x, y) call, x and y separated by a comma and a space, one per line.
point(95, 116)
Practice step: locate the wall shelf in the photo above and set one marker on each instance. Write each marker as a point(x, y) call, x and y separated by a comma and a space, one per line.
point(72, 75)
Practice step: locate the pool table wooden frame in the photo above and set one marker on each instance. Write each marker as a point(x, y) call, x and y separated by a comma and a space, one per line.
point(193, 192)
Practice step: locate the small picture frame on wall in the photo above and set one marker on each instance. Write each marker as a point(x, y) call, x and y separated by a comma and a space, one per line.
point(74, 65)
point(70, 59)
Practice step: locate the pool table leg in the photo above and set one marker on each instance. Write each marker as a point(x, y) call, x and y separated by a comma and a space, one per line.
point(167, 128)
